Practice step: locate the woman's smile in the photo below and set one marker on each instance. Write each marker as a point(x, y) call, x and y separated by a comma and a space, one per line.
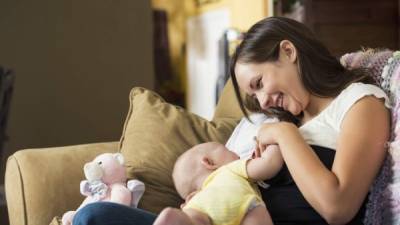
point(273, 85)
point(280, 101)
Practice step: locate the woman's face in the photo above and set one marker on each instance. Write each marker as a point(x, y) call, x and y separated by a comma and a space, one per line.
point(274, 84)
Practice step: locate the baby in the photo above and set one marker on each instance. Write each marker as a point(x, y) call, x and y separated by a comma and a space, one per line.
point(219, 188)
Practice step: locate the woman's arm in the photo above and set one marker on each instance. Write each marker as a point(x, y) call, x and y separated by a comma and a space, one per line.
point(337, 194)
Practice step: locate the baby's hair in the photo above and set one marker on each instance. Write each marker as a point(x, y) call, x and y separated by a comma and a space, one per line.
point(182, 186)
point(186, 183)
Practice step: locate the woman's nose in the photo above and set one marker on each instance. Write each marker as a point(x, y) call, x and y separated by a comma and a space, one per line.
point(263, 99)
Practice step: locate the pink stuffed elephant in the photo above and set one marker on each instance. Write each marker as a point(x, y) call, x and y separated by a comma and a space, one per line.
point(107, 181)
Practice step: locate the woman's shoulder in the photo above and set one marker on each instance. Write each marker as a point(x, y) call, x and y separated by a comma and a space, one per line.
point(352, 94)
point(369, 117)
point(358, 90)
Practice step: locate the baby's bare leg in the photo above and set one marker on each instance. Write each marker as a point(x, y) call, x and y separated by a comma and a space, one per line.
point(172, 216)
point(257, 216)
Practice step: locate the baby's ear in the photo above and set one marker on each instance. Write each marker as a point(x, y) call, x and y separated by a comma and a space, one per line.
point(208, 163)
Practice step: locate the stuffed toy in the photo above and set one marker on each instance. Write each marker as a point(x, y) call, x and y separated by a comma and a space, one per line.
point(106, 181)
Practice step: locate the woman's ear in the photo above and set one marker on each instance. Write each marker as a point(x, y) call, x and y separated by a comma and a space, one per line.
point(288, 51)
point(208, 163)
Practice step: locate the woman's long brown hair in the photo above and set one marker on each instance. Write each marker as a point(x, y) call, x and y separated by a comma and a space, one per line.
point(320, 72)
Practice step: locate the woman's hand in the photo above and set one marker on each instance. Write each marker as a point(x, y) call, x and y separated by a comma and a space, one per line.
point(257, 153)
point(272, 133)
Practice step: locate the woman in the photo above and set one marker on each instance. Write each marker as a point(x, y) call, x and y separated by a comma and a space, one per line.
point(331, 159)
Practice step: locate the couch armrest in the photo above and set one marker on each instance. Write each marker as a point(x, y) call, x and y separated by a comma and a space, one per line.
point(43, 183)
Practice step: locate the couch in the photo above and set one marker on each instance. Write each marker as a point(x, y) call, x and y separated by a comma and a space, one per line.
point(42, 184)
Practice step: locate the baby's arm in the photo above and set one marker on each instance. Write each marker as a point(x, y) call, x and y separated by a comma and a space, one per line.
point(172, 216)
point(266, 166)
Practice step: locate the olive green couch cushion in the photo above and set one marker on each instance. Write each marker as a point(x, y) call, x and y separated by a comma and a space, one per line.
point(156, 133)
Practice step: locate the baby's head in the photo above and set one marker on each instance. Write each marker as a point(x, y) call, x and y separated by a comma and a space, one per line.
point(193, 166)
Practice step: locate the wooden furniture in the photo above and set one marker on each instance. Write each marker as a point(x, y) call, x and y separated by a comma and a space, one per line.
point(7, 78)
point(346, 26)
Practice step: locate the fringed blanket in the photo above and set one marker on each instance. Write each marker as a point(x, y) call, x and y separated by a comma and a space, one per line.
point(383, 206)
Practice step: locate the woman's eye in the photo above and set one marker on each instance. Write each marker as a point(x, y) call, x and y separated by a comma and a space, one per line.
point(259, 84)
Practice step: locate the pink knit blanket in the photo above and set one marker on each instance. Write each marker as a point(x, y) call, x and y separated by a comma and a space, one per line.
point(383, 207)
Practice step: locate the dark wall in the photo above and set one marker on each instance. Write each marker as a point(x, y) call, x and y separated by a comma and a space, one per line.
point(75, 62)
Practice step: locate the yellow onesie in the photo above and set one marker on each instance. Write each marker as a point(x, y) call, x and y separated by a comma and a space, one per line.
point(227, 195)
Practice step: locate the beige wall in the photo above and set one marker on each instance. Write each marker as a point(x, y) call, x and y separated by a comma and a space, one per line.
point(75, 62)
point(243, 15)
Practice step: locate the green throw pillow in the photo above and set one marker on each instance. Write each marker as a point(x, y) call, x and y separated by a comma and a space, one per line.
point(155, 134)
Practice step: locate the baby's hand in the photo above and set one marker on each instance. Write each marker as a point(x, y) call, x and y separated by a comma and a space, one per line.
point(270, 148)
point(258, 152)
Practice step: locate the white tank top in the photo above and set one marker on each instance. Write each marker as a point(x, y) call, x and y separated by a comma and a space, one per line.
point(323, 129)
point(242, 140)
